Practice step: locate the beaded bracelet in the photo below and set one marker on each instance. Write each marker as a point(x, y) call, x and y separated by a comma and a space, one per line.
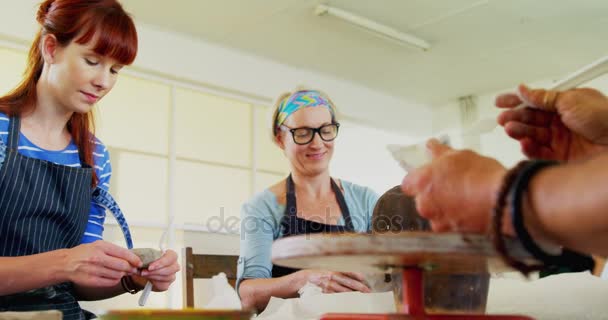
point(568, 258)
point(516, 184)
point(497, 217)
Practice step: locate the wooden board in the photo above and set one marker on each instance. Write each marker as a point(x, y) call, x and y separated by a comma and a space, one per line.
point(440, 253)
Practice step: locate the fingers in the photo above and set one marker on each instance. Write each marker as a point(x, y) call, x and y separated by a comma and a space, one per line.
point(527, 115)
point(436, 148)
point(168, 258)
point(160, 278)
point(99, 275)
point(333, 286)
point(426, 207)
point(121, 253)
point(165, 271)
point(162, 271)
point(507, 101)
point(348, 282)
point(355, 275)
point(518, 131)
point(536, 98)
point(440, 226)
point(117, 264)
point(416, 180)
point(539, 98)
point(109, 273)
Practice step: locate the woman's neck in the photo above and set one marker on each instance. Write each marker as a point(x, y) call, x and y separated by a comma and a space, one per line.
point(46, 123)
point(314, 186)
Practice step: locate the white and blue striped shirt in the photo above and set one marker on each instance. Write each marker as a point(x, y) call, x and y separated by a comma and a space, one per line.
point(69, 157)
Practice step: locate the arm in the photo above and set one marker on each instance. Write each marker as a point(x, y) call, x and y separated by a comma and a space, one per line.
point(98, 264)
point(565, 204)
point(161, 272)
point(255, 293)
point(255, 285)
point(255, 268)
point(569, 205)
point(94, 232)
point(17, 276)
point(87, 293)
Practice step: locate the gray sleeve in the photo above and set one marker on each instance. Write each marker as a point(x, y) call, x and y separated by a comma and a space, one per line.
point(257, 234)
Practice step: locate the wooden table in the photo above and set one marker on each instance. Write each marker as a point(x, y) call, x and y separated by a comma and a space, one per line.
point(414, 253)
point(186, 314)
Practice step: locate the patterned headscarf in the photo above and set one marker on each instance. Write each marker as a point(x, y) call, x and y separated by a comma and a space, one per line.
point(300, 100)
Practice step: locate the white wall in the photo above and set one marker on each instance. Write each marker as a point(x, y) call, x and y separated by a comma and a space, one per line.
point(495, 143)
point(231, 71)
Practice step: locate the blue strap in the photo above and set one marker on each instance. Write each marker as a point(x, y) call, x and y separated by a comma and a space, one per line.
point(103, 198)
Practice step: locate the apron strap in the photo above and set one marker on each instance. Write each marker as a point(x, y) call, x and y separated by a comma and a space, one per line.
point(13, 133)
point(291, 207)
point(348, 221)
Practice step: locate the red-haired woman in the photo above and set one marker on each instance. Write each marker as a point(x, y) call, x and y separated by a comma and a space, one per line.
point(54, 173)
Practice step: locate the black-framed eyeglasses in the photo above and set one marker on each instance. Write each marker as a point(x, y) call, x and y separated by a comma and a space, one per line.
point(305, 135)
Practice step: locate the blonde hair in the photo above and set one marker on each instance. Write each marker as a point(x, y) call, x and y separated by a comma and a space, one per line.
point(286, 95)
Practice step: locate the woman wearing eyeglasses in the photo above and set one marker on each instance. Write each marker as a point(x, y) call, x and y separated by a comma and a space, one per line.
point(308, 201)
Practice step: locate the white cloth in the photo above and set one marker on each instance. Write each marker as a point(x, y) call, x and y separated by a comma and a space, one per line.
point(312, 304)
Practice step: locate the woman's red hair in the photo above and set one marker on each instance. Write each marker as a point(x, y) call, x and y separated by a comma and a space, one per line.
point(103, 21)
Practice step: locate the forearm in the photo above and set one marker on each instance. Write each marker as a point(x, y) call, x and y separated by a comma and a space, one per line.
point(255, 293)
point(568, 205)
point(96, 293)
point(20, 274)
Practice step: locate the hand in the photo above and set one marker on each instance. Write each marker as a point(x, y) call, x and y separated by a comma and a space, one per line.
point(99, 264)
point(564, 126)
point(160, 272)
point(457, 190)
point(332, 282)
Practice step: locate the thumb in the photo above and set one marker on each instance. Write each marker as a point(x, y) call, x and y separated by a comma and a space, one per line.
point(538, 98)
point(436, 148)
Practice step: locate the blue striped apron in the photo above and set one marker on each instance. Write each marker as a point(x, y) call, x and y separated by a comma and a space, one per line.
point(44, 207)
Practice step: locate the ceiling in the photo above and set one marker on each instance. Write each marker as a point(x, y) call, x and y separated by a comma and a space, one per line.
point(477, 46)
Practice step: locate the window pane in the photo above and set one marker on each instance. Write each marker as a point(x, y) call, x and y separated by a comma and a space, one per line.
point(139, 183)
point(269, 156)
point(12, 66)
point(265, 180)
point(210, 196)
point(360, 156)
point(213, 129)
point(135, 116)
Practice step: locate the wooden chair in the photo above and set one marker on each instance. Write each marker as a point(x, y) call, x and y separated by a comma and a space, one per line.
point(205, 266)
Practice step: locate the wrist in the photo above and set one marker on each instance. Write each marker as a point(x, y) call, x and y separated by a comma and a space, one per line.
point(138, 282)
point(298, 280)
point(59, 271)
point(132, 284)
point(497, 181)
point(532, 219)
